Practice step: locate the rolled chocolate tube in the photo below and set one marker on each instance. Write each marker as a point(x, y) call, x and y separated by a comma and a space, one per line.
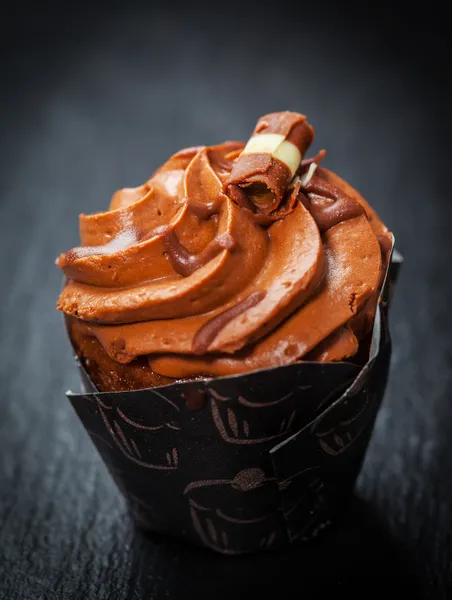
point(269, 161)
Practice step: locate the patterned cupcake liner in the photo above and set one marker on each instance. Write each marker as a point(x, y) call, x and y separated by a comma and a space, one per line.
point(248, 462)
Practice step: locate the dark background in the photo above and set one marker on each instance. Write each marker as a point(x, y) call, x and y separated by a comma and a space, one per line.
point(93, 99)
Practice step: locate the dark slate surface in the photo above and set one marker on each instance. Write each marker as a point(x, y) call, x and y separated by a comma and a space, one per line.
point(92, 101)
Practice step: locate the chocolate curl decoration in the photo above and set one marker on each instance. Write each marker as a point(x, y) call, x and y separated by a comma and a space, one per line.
point(269, 161)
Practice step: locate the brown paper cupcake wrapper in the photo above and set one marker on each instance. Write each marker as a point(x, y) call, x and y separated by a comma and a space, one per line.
point(267, 459)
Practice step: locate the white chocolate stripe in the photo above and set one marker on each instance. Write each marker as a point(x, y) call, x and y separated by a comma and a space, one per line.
point(265, 143)
point(277, 146)
point(308, 175)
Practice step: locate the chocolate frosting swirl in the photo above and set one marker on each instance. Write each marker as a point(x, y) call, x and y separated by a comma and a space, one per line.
point(205, 277)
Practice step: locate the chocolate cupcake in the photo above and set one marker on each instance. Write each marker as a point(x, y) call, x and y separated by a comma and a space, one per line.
point(233, 304)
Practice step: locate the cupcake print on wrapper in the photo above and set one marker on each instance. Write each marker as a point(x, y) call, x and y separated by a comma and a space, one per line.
point(248, 287)
point(228, 514)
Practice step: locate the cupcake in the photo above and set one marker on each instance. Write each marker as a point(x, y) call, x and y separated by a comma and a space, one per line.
point(229, 318)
